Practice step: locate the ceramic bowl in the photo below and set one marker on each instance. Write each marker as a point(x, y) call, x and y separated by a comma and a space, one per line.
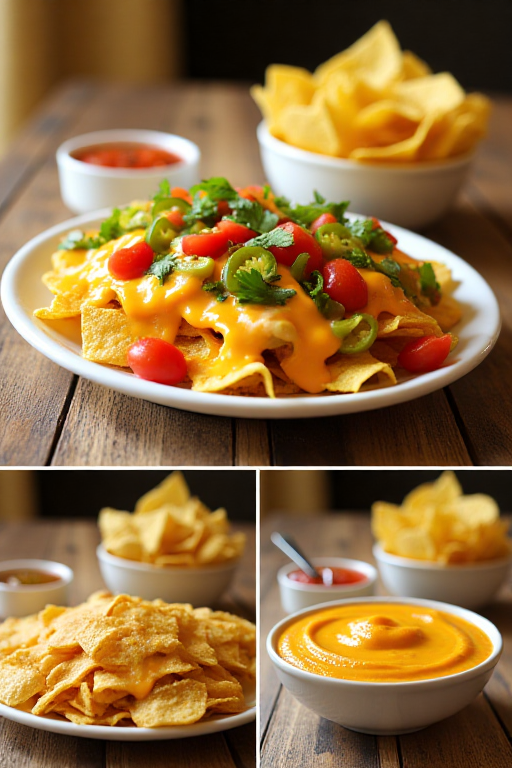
point(199, 586)
point(469, 586)
point(412, 195)
point(387, 708)
point(295, 596)
point(31, 598)
point(85, 187)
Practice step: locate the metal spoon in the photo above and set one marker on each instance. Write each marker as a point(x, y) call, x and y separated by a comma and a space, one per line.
point(287, 545)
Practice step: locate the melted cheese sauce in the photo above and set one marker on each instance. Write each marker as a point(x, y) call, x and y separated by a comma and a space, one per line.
point(247, 329)
point(380, 642)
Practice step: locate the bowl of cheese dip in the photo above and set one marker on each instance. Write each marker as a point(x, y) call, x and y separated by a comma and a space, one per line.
point(384, 665)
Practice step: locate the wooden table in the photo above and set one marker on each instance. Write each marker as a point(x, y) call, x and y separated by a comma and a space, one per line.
point(51, 417)
point(74, 543)
point(292, 736)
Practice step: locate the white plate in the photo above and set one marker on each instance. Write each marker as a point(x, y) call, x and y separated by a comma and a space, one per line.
point(119, 733)
point(22, 292)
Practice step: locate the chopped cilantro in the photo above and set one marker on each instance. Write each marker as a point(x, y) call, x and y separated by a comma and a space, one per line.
point(110, 229)
point(162, 268)
point(77, 239)
point(217, 287)
point(252, 215)
point(306, 214)
point(254, 290)
point(359, 258)
point(277, 237)
point(164, 191)
point(216, 188)
point(371, 237)
point(314, 287)
point(428, 283)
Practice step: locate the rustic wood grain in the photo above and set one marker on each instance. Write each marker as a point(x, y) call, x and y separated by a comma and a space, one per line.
point(74, 543)
point(46, 417)
point(292, 736)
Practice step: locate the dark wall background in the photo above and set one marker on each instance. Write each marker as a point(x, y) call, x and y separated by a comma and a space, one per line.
point(82, 493)
point(359, 489)
point(230, 39)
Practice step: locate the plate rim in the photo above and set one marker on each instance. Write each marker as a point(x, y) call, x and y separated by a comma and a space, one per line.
point(236, 406)
point(129, 733)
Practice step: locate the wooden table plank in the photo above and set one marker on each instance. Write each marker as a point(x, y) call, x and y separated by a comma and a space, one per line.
point(291, 735)
point(74, 543)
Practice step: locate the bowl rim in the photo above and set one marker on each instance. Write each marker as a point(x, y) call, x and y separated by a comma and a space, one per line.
point(64, 572)
point(484, 624)
point(271, 142)
point(339, 562)
point(381, 555)
point(188, 150)
point(105, 556)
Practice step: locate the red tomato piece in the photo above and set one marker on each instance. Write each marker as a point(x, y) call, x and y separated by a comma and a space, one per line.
point(425, 354)
point(157, 360)
point(377, 224)
point(343, 283)
point(325, 218)
point(235, 232)
point(130, 263)
point(303, 242)
point(223, 208)
point(212, 244)
point(181, 192)
point(175, 216)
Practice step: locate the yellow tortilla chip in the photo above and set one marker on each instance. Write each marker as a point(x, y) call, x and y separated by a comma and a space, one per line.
point(106, 335)
point(350, 372)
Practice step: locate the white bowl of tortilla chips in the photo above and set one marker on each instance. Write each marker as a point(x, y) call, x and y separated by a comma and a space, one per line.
point(373, 125)
point(171, 547)
point(412, 195)
point(442, 545)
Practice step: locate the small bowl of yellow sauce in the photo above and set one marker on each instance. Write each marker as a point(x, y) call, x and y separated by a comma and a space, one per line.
point(27, 586)
point(384, 665)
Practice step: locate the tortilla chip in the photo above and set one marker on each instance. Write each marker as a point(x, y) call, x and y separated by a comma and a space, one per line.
point(350, 372)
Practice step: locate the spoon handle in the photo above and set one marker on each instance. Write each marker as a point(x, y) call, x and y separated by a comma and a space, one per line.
point(287, 545)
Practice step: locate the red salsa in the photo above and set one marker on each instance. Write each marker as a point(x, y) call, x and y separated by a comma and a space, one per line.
point(27, 577)
point(339, 576)
point(123, 155)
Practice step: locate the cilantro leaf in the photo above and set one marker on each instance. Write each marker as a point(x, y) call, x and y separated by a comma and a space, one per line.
point(277, 237)
point(254, 290)
point(77, 239)
point(216, 188)
point(164, 191)
point(217, 287)
point(314, 287)
point(359, 258)
point(371, 237)
point(111, 228)
point(428, 283)
point(306, 214)
point(251, 214)
point(162, 268)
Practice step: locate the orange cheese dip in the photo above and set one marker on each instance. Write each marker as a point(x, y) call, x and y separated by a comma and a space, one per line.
point(247, 329)
point(383, 642)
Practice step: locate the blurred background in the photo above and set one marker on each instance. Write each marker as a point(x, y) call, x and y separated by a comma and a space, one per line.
point(315, 492)
point(29, 494)
point(43, 42)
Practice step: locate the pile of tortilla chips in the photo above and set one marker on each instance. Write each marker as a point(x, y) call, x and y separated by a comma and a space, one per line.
point(125, 661)
point(170, 528)
point(373, 102)
point(437, 522)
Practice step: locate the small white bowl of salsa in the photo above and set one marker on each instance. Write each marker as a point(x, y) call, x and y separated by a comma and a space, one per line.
point(111, 168)
point(341, 578)
point(27, 586)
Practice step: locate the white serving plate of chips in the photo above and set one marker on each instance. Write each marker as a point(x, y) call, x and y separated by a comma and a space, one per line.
point(122, 733)
point(22, 292)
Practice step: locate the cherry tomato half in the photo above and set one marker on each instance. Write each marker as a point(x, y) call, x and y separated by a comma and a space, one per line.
point(130, 263)
point(212, 244)
point(235, 232)
point(175, 216)
point(325, 218)
point(425, 354)
point(303, 242)
point(181, 192)
point(343, 283)
point(377, 224)
point(157, 360)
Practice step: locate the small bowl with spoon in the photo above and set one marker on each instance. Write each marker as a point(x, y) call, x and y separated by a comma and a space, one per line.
point(304, 582)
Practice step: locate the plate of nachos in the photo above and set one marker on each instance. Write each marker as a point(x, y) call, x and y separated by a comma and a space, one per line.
point(236, 302)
